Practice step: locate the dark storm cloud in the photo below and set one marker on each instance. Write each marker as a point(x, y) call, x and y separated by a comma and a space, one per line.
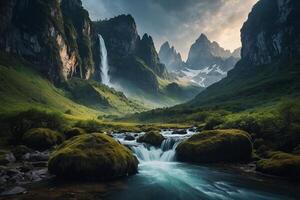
point(180, 21)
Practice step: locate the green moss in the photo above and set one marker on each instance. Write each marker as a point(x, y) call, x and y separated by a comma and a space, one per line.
point(153, 138)
point(92, 156)
point(281, 164)
point(42, 138)
point(216, 146)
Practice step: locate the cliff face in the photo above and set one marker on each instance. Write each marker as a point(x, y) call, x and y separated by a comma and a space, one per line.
point(170, 57)
point(131, 59)
point(269, 67)
point(271, 32)
point(44, 33)
point(147, 52)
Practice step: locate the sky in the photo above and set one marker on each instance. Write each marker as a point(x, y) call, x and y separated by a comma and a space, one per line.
point(180, 22)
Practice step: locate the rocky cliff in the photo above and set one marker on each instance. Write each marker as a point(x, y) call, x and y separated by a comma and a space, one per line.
point(170, 57)
point(132, 60)
point(271, 32)
point(47, 34)
point(269, 67)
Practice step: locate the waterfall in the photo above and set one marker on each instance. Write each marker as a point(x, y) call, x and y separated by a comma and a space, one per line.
point(104, 63)
point(147, 153)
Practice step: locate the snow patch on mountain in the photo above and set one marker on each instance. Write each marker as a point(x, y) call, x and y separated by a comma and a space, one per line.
point(204, 77)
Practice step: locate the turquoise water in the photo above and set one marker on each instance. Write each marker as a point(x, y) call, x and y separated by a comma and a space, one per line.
point(161, 177)
point(158, 180)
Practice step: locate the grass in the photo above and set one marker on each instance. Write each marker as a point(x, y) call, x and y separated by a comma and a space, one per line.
point(22, 89)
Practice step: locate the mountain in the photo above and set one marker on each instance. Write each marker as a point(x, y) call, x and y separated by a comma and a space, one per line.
point(269, 67)
point(135, 66)
point(47, 60)
point(205, 53)
point(129, 55)
point(207, 63)
point(50, 35)
point(170, 57)
point(237, 53)
point(267, 74)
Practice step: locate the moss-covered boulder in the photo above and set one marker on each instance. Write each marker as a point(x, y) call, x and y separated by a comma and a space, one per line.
point(153, 138)
point(92, 156)
point(42, 138)
point(72, 132)
point(216, 146)
point(281, 164)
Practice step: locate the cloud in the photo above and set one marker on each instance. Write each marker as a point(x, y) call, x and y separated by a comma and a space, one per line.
point(180, 21)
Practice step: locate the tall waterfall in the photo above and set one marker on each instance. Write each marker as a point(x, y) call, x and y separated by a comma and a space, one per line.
point(104, 63)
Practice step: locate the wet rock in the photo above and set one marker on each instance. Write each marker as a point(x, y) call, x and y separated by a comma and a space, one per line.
point(154, 138)
point(179, 132)
point(129, 138)
point(20, 151)
point(37, 156)
point(14, 191)
point(6, 157)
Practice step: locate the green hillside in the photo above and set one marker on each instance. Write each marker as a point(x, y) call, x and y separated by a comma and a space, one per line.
point(23, 88)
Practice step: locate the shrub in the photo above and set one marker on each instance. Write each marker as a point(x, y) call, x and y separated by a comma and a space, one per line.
point(213, 121)
point(281, 164)
point(72, 132)
point(42, 138)
point(33, 118)
point(89, 126)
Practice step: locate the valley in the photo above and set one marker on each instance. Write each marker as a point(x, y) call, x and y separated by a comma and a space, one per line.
point(90, 109)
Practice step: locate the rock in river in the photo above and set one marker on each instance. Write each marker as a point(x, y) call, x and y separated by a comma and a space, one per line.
point(216, 146)
point(92, 156)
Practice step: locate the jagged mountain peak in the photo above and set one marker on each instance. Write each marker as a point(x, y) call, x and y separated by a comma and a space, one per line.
point(170, 57)
point(202, 38)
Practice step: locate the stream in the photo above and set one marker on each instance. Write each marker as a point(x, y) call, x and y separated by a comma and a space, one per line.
point(161, 177)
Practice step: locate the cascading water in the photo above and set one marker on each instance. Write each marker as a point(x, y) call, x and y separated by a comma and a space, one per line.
point(104, 68)
point(166, 152)
point(161, 177)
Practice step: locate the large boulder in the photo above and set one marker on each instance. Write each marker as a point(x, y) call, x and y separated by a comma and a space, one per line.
point(216, 146)
point(281, 164)
point(92, 156)
point(153, 138)
point(42, 138)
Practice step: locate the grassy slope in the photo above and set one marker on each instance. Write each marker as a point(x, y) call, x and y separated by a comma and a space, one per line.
point(253, 89)
point(21, 88)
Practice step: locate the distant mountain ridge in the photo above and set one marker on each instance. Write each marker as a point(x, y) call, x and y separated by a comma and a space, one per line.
point(207, 62)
